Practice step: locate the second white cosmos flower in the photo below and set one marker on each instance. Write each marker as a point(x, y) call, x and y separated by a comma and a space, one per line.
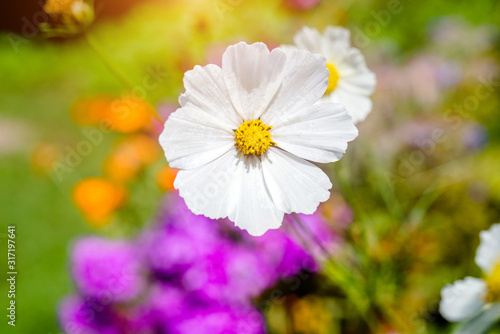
point(245, 134)
point(464, 299)
point(351, 82)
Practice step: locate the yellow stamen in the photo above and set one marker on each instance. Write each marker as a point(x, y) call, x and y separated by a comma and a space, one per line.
point(253, 137)
point(333, 79)
point(493, 284)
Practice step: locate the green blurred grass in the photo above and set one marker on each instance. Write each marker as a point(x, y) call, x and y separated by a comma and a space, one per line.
point(42, 80)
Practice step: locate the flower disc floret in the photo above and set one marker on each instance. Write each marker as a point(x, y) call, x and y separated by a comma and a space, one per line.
point(253, 137)
point(493, 285)
point(333, 78)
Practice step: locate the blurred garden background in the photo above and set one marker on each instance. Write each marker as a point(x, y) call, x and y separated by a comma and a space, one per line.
point(409, 198)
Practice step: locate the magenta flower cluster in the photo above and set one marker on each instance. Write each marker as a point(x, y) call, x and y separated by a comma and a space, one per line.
point(186, 274)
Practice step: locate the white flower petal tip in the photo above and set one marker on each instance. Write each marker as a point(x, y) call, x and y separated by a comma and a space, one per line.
point(353, 82)
point(463, 299)
point(488, 252)
point(319, 133)
point(280, 167)
point(246, 132)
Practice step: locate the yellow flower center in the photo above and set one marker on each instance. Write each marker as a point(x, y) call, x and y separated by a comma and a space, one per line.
point(333, 79)
point(493, 284)
point(253, 137)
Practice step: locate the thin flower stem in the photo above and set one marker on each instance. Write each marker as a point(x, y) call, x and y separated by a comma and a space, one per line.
point(312, 235)
point(110, 64)
point(337, 274)
point(113, 68)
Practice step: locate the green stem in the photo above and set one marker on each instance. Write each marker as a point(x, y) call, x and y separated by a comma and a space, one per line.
point(113, 68)
point(355, 295)
point(110, 64)
point(338, 275)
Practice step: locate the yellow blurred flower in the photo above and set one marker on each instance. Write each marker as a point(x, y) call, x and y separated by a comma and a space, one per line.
point(165, 177)
point(97, 199)
point(130, 156)
point(310, 315)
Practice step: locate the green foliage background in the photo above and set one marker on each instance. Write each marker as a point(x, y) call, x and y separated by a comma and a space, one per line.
point(42, 78)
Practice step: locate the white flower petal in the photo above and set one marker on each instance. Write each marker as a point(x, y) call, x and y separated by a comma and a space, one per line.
point(330, 43)
point(358, 106)
point(295, 185)
point(252, 76)
point(337, 35)
point(462, 300)
point(488, 252)
point(287, 48)
point(255, 212)
point(309, 39)
point(319, 133)
point(305, 78)
point(205, 90)
point(192, 138)
point(356, 77)
point(334, 45)
point(212, 189)
point(231, 186)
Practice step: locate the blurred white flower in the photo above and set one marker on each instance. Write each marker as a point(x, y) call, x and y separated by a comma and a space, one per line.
point(245, 134)
point(350, 81)
point(463, 299)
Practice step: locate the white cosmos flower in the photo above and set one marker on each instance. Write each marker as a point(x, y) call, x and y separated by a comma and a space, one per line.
point(350, 82)
point(463, 299)
point(245, 134)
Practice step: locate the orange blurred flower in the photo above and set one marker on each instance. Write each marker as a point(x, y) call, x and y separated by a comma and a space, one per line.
point(130, 156)
point(44, 156)
point(165, 177)
point(98, 198)
point(124, 115)
point(91, 111)
point(129, 114)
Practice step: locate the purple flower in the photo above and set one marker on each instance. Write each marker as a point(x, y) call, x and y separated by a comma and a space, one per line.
point(218, 319)
point(287, 250)
point(78, 316)
point(138, 319)
point(180, 240)
point(170, 252)
point(88, 316)
point(287, 256)
point(226, 273)
point(205, 275)
point(108, 270)
point(474, 136)
point(165, 303)
point(175, 213)
point(177, 311)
